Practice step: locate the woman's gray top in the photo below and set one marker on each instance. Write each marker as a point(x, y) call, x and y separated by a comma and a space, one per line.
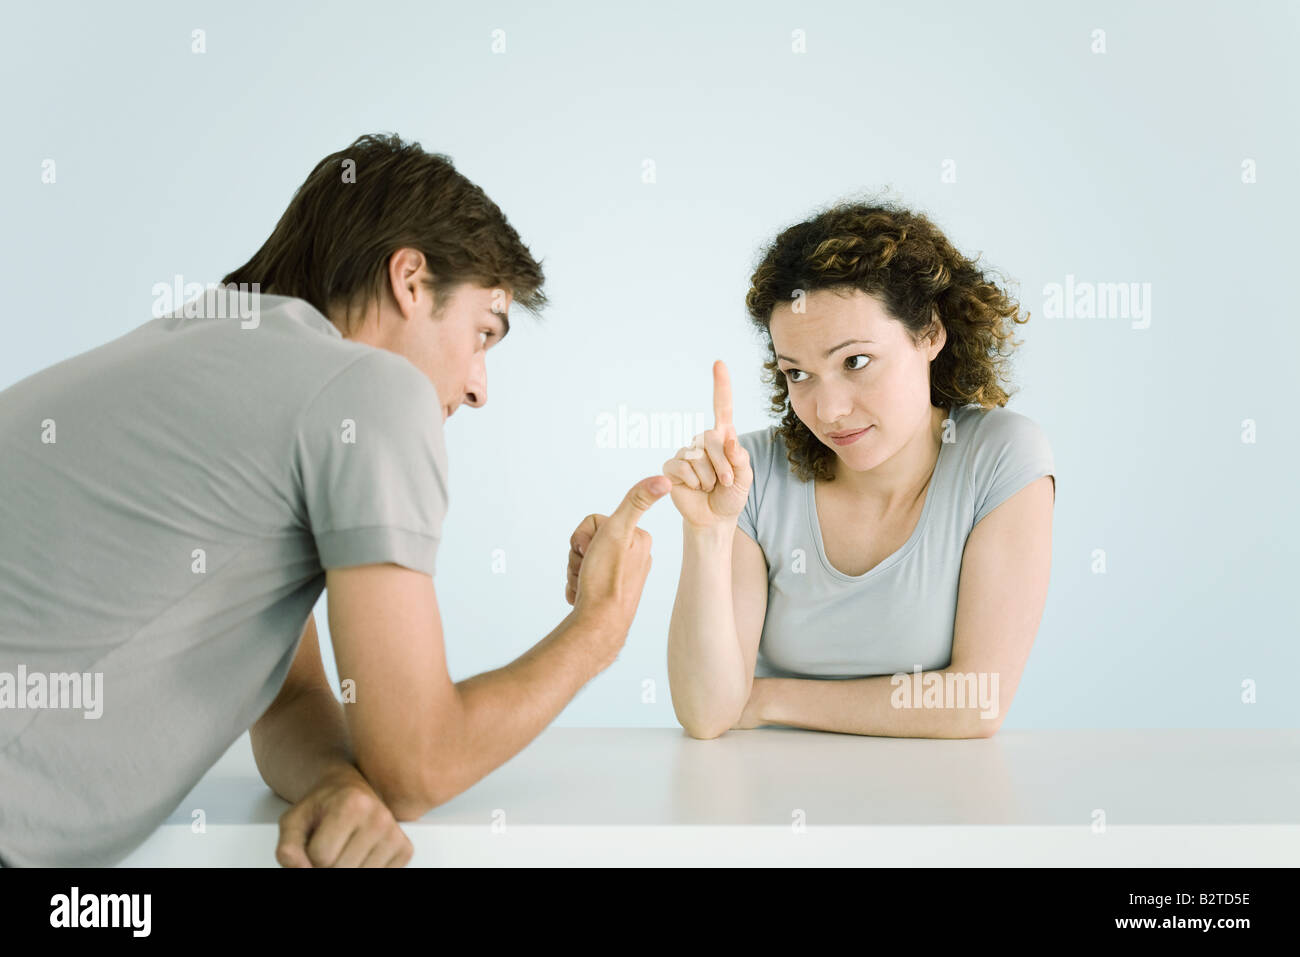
point(822, 623)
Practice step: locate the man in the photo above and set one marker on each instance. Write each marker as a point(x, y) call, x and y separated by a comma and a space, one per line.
point(175, 500)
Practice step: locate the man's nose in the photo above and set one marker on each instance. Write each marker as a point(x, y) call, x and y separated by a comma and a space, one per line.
point(476, 380)
point(476, 387)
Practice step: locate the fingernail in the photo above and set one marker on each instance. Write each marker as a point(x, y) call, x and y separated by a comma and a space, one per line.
point(580, 550)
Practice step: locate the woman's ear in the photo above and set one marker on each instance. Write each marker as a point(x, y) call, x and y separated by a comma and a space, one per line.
point(937, 334)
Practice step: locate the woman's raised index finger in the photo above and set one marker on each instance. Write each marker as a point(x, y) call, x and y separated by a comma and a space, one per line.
point(721, 395)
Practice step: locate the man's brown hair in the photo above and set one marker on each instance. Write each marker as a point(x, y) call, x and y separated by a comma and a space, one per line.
point(360, 205)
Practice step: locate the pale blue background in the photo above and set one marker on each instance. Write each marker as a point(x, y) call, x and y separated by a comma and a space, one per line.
point(1119, 167)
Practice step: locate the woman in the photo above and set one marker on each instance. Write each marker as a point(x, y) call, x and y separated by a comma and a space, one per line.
point(894, 530)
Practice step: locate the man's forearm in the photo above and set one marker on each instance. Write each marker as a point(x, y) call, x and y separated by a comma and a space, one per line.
point(911, 705)
point(302, 743)
point(503, 710)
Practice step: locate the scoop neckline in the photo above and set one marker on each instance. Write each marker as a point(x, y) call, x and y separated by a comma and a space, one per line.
point(902, 551)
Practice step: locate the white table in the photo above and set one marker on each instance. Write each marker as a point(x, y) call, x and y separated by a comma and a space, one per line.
point(778, 796)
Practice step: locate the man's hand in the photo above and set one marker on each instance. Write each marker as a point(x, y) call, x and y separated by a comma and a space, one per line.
point(609, 558)
point(697, 490)
point(342, 823)
point(579, 542)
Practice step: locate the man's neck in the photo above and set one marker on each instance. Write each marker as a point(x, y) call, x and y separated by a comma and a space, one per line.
point(358, 327)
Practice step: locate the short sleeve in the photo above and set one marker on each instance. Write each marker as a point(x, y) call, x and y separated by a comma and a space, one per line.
point(372, 465)
point(759, 446)
point(1011, 450)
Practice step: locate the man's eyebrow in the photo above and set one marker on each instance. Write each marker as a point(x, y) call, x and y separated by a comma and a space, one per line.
point(505, 321)
point(833, 349)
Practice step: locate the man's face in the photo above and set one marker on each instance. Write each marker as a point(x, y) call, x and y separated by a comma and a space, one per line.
point(839, 383)
point(450, 347)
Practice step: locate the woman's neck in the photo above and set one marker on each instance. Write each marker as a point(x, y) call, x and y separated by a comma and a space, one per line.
point(900, 480)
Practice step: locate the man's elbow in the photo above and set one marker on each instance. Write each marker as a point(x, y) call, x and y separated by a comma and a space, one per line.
point(411, 804)
point(409, 808)
point(409, 796)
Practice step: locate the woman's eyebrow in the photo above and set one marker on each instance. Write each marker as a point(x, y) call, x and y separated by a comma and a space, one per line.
point(833, 349)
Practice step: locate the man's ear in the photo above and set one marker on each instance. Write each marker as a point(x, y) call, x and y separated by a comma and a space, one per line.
point(406, 274)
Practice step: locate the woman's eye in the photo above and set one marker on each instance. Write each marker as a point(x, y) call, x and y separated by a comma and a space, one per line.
point(849, 361)
point(792, 375)
point(486, 336)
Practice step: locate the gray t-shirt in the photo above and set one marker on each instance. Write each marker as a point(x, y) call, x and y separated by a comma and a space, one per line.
point(169, 502)
point(821, 623)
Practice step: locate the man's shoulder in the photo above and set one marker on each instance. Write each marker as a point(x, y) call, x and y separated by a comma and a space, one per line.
point(376, 377)
point(378, 401)
point(299, 343)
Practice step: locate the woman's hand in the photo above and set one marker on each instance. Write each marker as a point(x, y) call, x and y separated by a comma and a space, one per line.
point(711, 478)
point(752, 716)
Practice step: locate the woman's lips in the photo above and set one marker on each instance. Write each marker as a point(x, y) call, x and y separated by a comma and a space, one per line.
point(851, 437)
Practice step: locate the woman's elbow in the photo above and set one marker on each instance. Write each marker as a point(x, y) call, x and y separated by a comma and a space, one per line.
point(704, 727)
point(983, 726)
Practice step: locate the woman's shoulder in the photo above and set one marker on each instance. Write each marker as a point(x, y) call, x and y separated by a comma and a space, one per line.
point(996, 428)
point(766, 448)
point(761, 441)
point(1002, 450)
point(773, 480)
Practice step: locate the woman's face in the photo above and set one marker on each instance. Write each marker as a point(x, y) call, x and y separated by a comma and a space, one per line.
point(849, 366)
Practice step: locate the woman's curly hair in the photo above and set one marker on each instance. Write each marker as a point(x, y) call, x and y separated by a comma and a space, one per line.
point(905, 261)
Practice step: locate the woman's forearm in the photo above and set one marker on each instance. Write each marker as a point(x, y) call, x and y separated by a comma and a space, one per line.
point(706, 670)
point(911, 705)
